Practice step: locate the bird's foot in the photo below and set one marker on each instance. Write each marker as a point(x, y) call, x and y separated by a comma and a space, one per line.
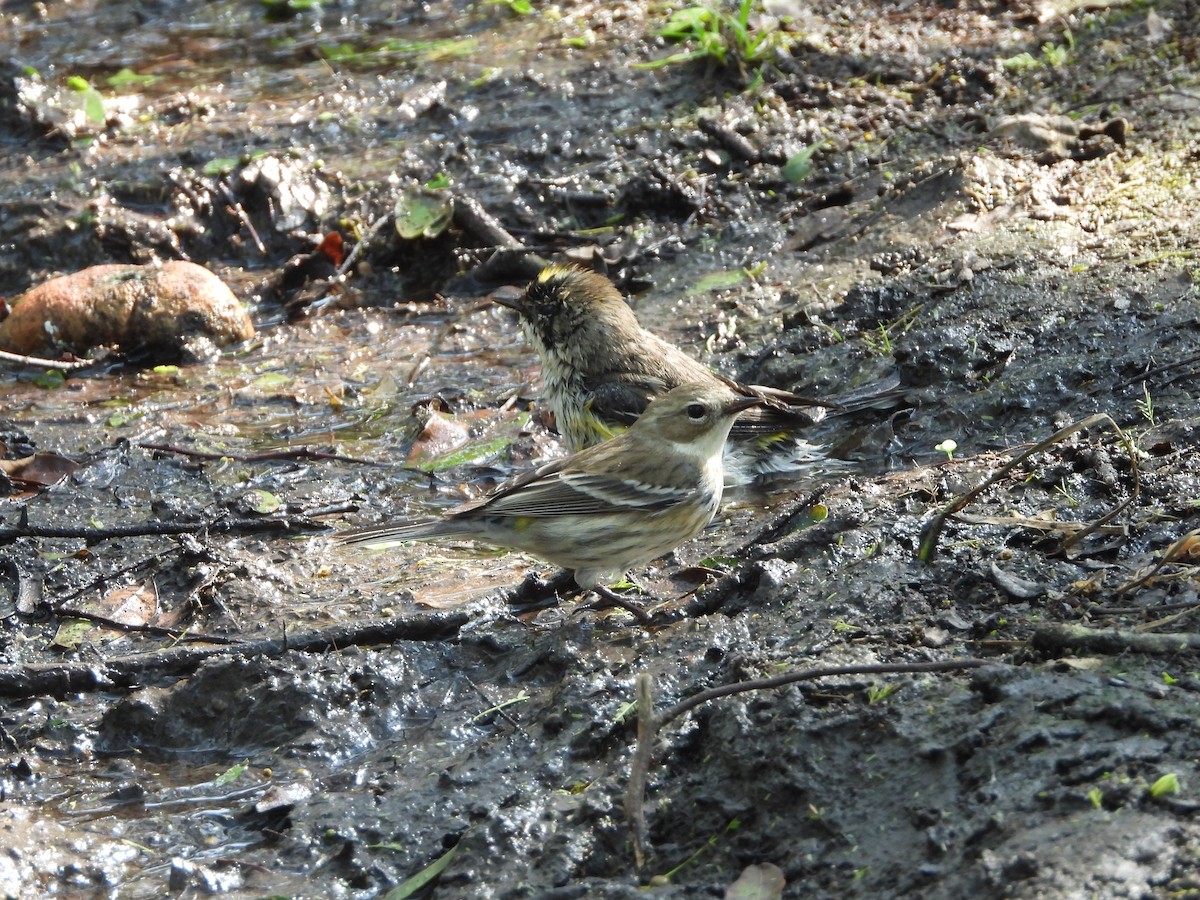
point(612, 598)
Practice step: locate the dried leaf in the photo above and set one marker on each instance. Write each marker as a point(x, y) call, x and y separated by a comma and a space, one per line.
point(135, 605)
point(41, 469)
point(440, 436)
point(761, 881)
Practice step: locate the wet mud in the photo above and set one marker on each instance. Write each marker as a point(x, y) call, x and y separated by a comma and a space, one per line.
point(997, 202)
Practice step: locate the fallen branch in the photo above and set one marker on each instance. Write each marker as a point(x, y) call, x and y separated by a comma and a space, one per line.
point(1060, 639)
point(39, 362)
point(639, 767)
point(175, 634)
point(933, 528)
point(1181, 550)
point(650, 724)
point(292, 453)
point(59, 679)
point(470, 216)
point(284, 524)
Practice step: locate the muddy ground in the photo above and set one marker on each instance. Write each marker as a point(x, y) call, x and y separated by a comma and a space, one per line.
point(997, 201)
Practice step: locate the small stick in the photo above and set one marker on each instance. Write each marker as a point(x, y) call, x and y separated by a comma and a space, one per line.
point(63, 365)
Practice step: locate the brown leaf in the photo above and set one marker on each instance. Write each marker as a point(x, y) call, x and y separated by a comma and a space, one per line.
point(41, 469)
point(761, 881)
point(135, 605)
point(439, 436)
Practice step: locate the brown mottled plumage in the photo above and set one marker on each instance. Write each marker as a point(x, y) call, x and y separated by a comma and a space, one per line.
point(601, 369)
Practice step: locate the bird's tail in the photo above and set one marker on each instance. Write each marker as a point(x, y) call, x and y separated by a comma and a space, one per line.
point(392, 534)
point(885, 393)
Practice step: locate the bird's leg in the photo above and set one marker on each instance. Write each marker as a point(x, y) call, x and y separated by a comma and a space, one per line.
point(537, 591)
point(615, 599)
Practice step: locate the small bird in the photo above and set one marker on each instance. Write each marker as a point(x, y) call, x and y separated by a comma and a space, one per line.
point(611, 507)
point(600, 369)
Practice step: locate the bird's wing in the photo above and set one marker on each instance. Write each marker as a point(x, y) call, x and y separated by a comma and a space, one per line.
point(559, 493)
point(620, 401)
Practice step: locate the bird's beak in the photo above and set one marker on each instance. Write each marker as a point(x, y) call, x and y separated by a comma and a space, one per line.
point(741, 404)
point(513, 303)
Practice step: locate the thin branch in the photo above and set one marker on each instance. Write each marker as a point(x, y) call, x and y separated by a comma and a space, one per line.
point(283, 524)
point(292, 453)
point(63, 365)
point(933, 528)
point(174, 634)
point(649, 724)
point(1058, 639)
point(635, 793)
point(741, 687)
point(59, 679)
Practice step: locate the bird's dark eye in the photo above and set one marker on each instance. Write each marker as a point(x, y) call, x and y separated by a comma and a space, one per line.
point(695, 411)
point(547, 310)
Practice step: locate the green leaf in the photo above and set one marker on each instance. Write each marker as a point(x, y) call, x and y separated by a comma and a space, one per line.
point(129, 78)
point(1167, 784)
point(262, 502)
point(71, 633)
point(715, 281)
point(413, 885)
point(422, 213)
point(270, 381)
point(799, 166)
point(469, 454)
point(221, 165)
point(50, 380)
point(93, 103)
point(233, 773)
point(690, 22)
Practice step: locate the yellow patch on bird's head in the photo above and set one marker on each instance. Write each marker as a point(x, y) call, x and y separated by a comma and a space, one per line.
point(557, 271)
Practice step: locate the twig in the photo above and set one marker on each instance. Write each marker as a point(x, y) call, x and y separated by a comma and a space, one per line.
point(1058, 639)
point(289, 454)
point(933, 528)
point(59, 679)
point(1157, 370)
point(470, 216)
point(105, 578)
point(758, 684)
point(363, 242)
point(729, 139)
point(143, 529)
point(63, 365)
point(635, 793)
point(174, 634)
point(235, 206)
point(649, 724)
point(1185, 546)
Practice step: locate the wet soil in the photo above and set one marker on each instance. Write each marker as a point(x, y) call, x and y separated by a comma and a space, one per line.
point(1014, 235)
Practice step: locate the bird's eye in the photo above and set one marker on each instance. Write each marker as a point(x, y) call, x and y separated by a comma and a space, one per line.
point(695, 411)
point(547, 310)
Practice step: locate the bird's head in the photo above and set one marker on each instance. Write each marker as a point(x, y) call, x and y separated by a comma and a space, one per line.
point(566, 306)
point(697, 415)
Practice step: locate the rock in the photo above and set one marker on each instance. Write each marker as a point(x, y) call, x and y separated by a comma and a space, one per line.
point(157, 309)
